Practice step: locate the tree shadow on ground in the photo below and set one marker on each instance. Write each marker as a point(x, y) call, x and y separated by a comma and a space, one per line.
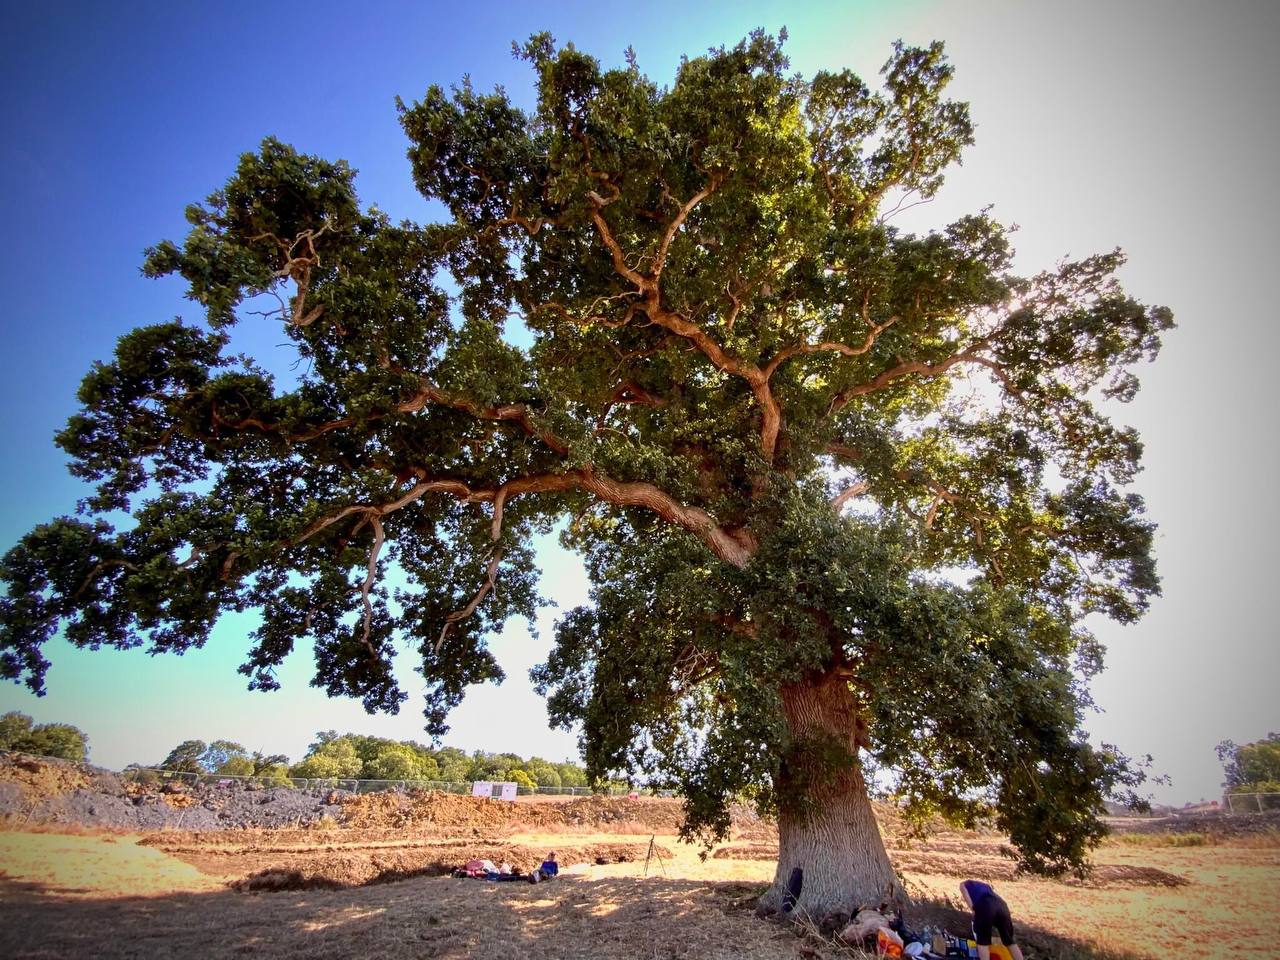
point(575, 917)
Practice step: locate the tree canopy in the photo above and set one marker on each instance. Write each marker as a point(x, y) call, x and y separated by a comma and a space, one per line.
point(798, 448)
point(223, 757)
point(1251, 767)
point(19, 732)
point(358, 756)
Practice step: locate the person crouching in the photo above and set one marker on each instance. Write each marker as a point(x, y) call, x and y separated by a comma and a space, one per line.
point(990, 912)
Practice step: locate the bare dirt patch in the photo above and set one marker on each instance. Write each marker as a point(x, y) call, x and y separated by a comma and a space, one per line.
point(37, 778)
point(259, 861)
point(451, 813)
point(322, 888)
point(1209, 828)
point(685, 908)
point(747, 851)
point(977, 860)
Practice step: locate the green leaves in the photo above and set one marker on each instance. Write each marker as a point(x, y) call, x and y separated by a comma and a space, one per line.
point(18, 732)
point(681, 319)
point(278, 217)
point(1251, 767)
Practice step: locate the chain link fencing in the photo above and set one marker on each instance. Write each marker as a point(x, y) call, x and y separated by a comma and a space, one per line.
point(156, 775)
point(1252, 802)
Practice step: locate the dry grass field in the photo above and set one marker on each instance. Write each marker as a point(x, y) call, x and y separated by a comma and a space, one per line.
point(372, 888)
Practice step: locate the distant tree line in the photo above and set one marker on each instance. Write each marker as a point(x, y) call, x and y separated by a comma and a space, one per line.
point(225, 757)
point(19, 732)
point(1252, 767)
point(353, 756)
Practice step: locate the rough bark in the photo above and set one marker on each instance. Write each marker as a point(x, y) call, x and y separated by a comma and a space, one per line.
point(827, 827)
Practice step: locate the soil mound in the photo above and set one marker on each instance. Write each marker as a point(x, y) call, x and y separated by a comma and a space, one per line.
point(449, 813)
point(39, 778)
point(977, 866)
point(624, 814)
point(445, 811)
point(43, 790)
point(39, 790)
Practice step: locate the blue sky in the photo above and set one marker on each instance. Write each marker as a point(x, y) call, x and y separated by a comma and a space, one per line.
point(1151, 126)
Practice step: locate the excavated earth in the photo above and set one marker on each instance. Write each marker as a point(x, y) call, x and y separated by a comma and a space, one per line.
point(263, 863)
point(281, 838)
point(284, 838)
point(38, 790)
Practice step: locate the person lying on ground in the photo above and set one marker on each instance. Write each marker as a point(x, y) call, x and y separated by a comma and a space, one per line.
point(989, 912)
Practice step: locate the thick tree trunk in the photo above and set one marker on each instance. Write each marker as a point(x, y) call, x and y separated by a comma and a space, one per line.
point(832, 835)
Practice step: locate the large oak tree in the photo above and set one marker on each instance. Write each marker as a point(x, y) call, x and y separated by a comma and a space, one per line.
point(844, 492)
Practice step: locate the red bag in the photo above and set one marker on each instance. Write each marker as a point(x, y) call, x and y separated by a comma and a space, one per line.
point(888, 943)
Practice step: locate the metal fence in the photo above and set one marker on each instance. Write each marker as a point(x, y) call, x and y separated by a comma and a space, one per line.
point(1252, 802)
point(160, 776)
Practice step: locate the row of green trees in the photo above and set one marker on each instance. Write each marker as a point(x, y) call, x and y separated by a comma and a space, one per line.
point(1252, 767)
point(19, 732)
point(354, 756)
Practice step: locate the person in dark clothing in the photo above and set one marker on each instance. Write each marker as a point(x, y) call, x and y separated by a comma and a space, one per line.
point(990, 912)
point(549, 869)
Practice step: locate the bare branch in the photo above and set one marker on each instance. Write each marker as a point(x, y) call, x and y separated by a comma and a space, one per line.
point(843, 450)
point(419, 489)
point(828, 345)
point(770, 411)
point(848, 493)
point(495, 531)
point(378, 537)
point(647, 285)
point(591, 316)
point(196, 554)
point(228, 563)
point(674, 227)
point(97, 569)
point(897, 372)
point(491, 573)
point(516, 413)
point(620, 265)
point(732, 546)
point(938, 500)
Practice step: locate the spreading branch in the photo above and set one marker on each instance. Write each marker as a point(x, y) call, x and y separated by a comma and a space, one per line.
point(378, 537)
point(848, 493)
point(905, 369)
point(827, 345)
point(674, 226)
point(648, 287)
point(490, 581)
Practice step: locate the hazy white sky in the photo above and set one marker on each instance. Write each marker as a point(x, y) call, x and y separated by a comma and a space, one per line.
point(1151, 126)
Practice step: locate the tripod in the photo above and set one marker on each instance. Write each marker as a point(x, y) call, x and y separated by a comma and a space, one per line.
point(655, 853)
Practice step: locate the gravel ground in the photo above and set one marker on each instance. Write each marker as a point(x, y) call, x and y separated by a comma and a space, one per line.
point(216, 808)
point(39, 790)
